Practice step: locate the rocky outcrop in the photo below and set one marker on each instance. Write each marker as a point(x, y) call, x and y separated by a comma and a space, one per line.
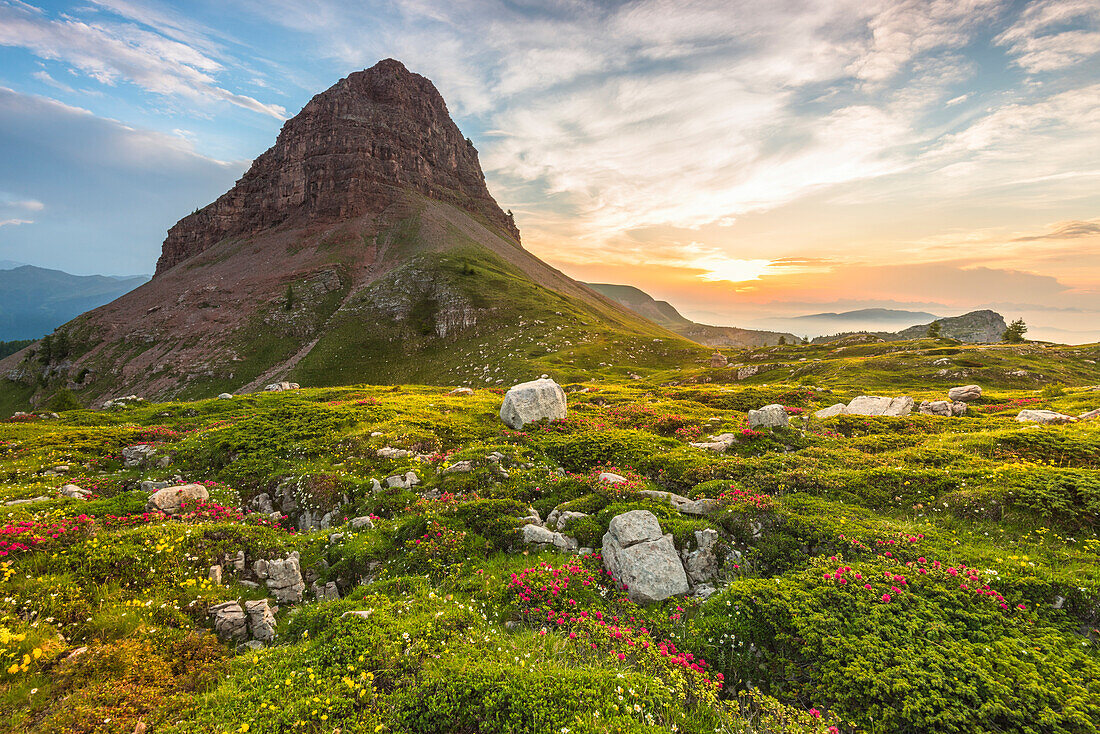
point(340, 158)
point(944, 408)
point(832, 410)
point(284, 579)
point(638, 555)
point(532, 401)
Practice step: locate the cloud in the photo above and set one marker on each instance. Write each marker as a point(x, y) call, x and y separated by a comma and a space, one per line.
point(15, 222)
point(110, 52)
point(1066, 231)
point(1053, 34)
point(113, 190)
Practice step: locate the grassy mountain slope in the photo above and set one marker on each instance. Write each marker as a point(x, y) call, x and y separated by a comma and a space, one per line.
point(379, 298)
point(665, 314)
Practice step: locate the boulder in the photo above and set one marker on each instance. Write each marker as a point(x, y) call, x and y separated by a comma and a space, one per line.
point(611, 478)
point(701, 564)
point(718, 443)
point(747, 371)
point(540, 536)
point(225, 396)
point(532, 401)
point(230, 621)
point(965, 393)
point(261, 619)
point(718, 359)
point(460, 467)
point(362, 523)
point(170, 500)
point(135, 456)
point(636, 554)
point(284, 579)
point(770, 416)
point(1046, 417)
point(282, 386)
point(877, 405)
point(832, 410)
point(560, 519)
point(700, 507)
point(74, 492)
point(461, 391)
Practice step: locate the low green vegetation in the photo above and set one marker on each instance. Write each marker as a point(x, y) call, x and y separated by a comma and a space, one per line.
point(874, 574)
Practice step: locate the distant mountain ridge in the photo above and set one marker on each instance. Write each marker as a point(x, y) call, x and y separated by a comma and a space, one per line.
point(665, 314)
point(870, 314)
point(34, 301)
point(976, 327)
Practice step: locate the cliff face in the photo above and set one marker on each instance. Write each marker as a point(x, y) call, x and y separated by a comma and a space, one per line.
point(341, 157)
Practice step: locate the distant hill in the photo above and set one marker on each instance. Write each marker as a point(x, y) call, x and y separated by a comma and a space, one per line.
point(34, 301)
point(9, 264)
point(665, 314)
point(870, 314)
point(976, 327)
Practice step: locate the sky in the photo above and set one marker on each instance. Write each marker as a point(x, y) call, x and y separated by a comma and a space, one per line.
point(745, 160)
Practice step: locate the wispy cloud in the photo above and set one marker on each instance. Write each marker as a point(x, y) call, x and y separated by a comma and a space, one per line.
point(112, 52)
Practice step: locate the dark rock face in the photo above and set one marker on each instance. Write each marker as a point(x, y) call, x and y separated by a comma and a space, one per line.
point(341, 157)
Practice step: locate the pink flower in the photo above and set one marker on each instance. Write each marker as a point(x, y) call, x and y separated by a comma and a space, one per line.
point(815, 713)
point(886, 597)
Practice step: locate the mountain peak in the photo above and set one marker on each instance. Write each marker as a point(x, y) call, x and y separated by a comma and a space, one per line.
point(344, 156)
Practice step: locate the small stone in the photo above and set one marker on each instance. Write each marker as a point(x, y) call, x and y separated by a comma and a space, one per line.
point(362, 523)
point(215, 575)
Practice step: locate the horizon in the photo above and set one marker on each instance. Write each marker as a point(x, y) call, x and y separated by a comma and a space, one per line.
point(744, 164)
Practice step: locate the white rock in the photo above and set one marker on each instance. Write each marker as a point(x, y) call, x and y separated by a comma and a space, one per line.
point(612, 478)
point(225, 396)
point(1046, 417)
point(170, 499)
point(532, 401)
point(831, 411)
point(965, 393)
point(770, 416)
point(877, 405)
point(636, 554)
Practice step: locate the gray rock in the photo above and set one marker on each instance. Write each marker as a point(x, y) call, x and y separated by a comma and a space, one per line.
point(831, 411)
point(135, 456)
point(215, 575)
point(74, 492)
point(362, 523)
point(1092, 414)
point(259, 568)
point(636, 554)
point(230, 621)
point(701, 564)
point(718, 443)
point(700, 507)
point(375, 486)
point(877, 405)
point(532, 401)
point(328, 591)
point(564, 517)
point(389, 452)
point(262, 503)
point(538, 535)
point(282, 386)
point(261, 619)
point(150, 486)
point(748, 371)
point(170, 500)
point(770, 416)
point(461, 391)
point(611, 478)
point(965, 393)
point(284, 580)
point(1046, 417)
point(225, 396)
point(460, 467)
point(238, 562)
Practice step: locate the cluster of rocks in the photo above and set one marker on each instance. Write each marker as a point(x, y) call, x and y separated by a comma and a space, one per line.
point(956, 403)
point(254, 619)
point(22, 414)
point(124, 402)
point(278, 387)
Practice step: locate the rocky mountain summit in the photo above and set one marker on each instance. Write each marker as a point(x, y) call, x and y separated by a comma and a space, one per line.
point(363, 240)
point(340, 158)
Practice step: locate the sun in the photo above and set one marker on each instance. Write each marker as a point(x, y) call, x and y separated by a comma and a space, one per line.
point(735, 271)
